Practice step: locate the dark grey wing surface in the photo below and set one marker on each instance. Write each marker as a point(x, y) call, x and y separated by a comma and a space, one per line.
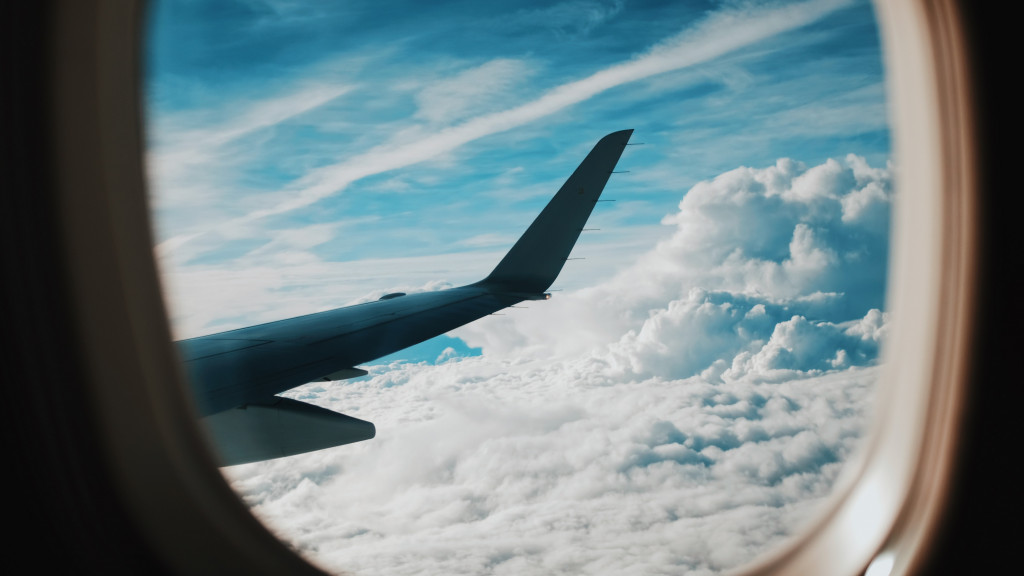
point(252, 364)
point(537, 257)
point(236, 374)
point(281, 427)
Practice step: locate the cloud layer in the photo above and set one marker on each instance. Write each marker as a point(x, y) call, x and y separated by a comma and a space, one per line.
point(680, 417)
point(747, 250)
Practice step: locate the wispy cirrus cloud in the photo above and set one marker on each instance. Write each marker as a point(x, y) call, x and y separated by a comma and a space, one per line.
point(573, 18)
point(185, 143)
point(470, 91)
point(717, 34)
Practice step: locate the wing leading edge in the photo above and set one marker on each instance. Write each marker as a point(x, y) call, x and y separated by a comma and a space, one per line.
point(236, 374)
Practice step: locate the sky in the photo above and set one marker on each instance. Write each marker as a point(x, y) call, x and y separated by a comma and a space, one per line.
point(687, 398)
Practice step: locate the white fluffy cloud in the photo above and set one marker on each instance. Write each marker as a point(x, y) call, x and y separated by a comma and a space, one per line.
point(679, 418)
point(778, 236)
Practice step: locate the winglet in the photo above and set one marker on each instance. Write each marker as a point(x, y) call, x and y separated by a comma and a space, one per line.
point(535, 260)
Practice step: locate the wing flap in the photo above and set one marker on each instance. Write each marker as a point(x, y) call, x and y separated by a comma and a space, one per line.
point(280, 427)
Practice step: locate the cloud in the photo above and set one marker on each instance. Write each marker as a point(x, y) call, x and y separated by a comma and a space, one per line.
point(190, 142)
point(719, 33)
point(481, 466)
point(471, 91)
point(572, 19)
point(777, 237)
point(680, 417)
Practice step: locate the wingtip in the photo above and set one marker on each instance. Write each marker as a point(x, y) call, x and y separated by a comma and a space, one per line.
point(536, 259)
point(624, 135)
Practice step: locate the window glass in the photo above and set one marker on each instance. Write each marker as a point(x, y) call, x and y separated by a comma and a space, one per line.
point(688, 396)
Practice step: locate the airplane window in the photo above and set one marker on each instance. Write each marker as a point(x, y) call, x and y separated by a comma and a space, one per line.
point(685, 399)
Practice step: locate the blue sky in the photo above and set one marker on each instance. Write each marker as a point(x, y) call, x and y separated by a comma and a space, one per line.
point(305, 156)
point(344, 120)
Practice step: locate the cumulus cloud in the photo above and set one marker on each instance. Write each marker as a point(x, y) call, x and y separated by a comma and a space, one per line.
point(191, 142)
point(476, 470)
point(775, 236)
point(680, 417)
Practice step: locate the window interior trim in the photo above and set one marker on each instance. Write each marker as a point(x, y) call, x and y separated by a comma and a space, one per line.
point(888, 503)
point(152, 448)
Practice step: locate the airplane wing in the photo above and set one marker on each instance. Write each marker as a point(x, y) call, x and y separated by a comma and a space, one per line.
point(236, 374)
